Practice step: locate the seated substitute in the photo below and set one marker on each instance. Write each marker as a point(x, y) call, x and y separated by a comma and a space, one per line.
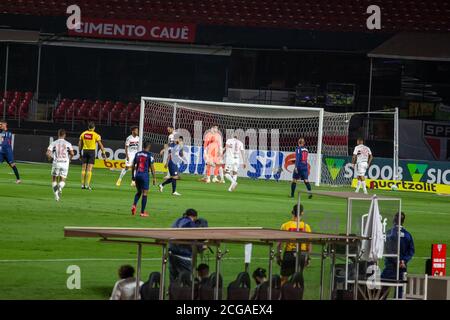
point(260, 276)
point(124, 289)
point(202, 272)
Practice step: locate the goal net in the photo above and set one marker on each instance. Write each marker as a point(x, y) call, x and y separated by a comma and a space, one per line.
point(270, 135)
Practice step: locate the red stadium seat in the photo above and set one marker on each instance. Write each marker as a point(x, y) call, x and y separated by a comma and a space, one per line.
point(115, 114)
point(59, 115)
point(124, 117)
point(84, 110)
point(94, 114)
point(12, 108)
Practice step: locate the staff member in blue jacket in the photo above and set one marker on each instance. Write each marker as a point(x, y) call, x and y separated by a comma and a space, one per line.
point(180, 258)
point(406, 250)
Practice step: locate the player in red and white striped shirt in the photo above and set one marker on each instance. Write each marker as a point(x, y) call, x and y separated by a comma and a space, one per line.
point(362, 157)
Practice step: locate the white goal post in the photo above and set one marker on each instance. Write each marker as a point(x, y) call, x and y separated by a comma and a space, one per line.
point(269, 132)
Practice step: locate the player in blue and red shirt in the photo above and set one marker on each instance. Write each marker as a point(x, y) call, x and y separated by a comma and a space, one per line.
point(301, 167)
point(143, 162)
point(174, 160)
point(6, 152)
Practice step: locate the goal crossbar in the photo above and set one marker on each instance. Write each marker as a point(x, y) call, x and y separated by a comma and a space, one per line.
point(230, 104)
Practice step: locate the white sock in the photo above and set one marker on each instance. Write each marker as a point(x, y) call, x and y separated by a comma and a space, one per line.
point(235, 177)
point(54, 186)
point(62, 184)
point(358, 186)
point(230, 178)
point(221, 173)
point(364, 186)
point(122, 173)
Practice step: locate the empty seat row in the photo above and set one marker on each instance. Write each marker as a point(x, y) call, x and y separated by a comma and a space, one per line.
point(305, 14)
point(107, 112)
point(15, 104)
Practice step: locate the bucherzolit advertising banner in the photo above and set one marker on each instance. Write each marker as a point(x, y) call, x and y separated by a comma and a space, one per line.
point(418, 176)
point(427, 176)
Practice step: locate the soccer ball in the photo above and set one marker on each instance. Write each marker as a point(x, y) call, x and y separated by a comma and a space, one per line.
point(394, 187)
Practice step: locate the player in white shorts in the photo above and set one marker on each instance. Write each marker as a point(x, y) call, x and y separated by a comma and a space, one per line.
point(362, 157)
point(221, 165)
point(61, 152)
point(165, 152)
point(131, 148)
point(234, 150)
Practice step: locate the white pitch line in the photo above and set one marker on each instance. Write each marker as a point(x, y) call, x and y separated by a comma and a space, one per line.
point(71, 260)
point(431, 213)
point(103, 259)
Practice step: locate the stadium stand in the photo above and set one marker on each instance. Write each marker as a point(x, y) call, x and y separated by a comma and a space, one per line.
point(102, 112)
point(17, 104)
point(346, 15)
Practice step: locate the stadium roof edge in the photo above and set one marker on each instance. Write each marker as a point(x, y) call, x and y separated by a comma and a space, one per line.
point(415, 46)
point(139, 46)
point(20, 36)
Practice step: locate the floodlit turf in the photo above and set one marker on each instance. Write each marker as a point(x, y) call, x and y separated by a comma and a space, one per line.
point(34, 254)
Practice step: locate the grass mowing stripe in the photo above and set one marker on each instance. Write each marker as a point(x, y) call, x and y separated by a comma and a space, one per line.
point(131, 259)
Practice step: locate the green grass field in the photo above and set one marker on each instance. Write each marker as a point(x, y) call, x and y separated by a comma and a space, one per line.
point(34, 255)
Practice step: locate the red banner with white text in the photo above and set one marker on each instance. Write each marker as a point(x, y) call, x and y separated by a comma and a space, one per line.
point(135, 30)
point(438, 259)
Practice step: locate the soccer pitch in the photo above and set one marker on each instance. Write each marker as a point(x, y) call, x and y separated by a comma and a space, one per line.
point(34, 254)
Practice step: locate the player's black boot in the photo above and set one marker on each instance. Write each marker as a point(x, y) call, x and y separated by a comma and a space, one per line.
point(293, 187)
